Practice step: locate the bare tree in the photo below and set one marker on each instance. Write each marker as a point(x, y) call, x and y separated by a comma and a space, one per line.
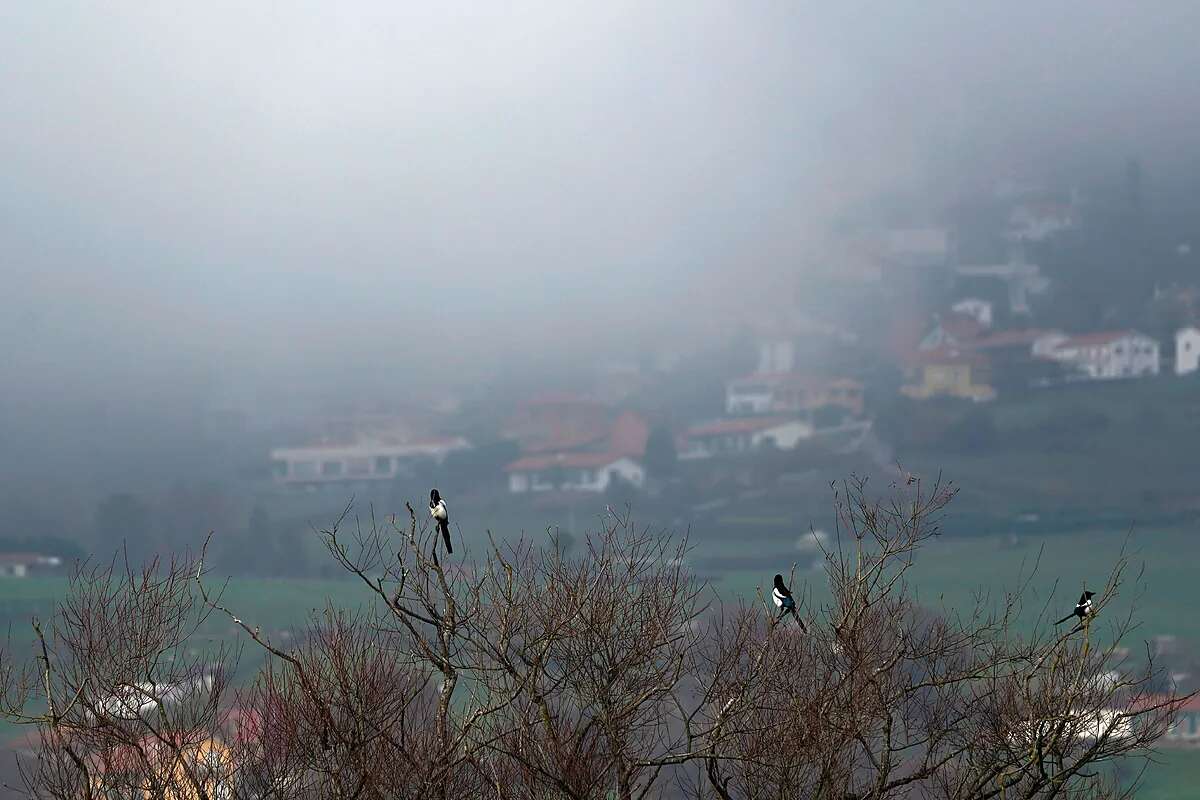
point(127, 693)
point(609, 672)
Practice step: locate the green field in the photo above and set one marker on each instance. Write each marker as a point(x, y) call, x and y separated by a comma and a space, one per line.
point(1174, 777)
point(949, 571)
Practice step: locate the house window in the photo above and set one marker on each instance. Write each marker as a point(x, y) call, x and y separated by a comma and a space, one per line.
point(358, 466)
point(331, 468)
point(279, 467)
point(304, 469)
point(586, 476)
point(383, 465)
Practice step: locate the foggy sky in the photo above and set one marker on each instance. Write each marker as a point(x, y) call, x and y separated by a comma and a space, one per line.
point(295, 193)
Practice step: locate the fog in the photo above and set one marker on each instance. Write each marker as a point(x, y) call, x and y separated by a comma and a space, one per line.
point(275, 200)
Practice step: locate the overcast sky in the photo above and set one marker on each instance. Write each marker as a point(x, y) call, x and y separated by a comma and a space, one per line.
point(287, 191)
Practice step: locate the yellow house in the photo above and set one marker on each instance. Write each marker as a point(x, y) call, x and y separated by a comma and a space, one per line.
point(947, 372)
point(161, 770)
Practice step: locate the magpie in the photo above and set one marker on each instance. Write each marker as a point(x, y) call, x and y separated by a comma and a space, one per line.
point(1082, 609)
point(437, 510)
point(783, 599)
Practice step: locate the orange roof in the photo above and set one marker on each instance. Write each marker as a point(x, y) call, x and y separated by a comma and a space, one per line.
point(1181, 704)
point(629, 434)
point(1099, 338)
point(723, 427)
point(1014, 338)
point(569, 460)
point(948, 355)
point(565, 442)
point(960, 326)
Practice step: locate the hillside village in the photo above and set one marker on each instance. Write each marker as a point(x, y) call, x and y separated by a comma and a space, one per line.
point(927, 315)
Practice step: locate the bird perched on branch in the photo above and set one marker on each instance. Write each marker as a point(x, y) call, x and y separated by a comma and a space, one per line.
point(1083, 608)
point(784, 601)
point(437, 510)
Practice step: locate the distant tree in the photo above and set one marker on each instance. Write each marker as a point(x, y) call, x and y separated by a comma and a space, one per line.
point(661, 458)
point(122, 519)
point(556, 476)
point(190, 511)
point(480, 466)
point(262, 545)
point(561, 542)
point(740, 355)
point(620, 492)
point(828, 416)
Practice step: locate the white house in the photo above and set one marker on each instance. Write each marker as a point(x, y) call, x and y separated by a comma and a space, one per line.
point(1187, 350)
point(777, 354)
point(1047, 342)
point(1036, 222)
point(1114, 354)
point(363, 460)
point(18, 565)
point(572, 472)
point(1020, 278)
point(979, 310)
point(729, 436)
point(791, 392)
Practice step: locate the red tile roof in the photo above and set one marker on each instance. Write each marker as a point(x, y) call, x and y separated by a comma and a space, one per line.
point(564, 442)
point(629, 434)
point(1151, 700)
point(948, 355)
point(1014, 338)
point(961, 326)
point(568, 460)
point(23, 558)
point(1099, 338)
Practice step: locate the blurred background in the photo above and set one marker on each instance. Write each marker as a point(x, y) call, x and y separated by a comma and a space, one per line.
point(699, 260)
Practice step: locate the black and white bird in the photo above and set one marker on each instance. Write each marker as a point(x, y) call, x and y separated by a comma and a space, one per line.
point(1082, 609)
point(784, 601)
point(437, 510)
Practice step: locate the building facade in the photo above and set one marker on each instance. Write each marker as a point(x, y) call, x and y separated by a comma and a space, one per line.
point(1187, 351)
point(364, 460)
point(1109, 355)
point(573, 472)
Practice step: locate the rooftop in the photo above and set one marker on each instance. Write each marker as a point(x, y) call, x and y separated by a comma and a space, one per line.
point(1013, 338)
point(29, 558)
point(1099, 338)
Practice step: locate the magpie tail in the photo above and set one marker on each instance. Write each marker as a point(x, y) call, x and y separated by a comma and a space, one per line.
point(1064, 619)
point(444, 525)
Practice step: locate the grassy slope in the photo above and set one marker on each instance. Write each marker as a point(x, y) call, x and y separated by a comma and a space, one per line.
point(1174, 777)
point(1143, 455)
